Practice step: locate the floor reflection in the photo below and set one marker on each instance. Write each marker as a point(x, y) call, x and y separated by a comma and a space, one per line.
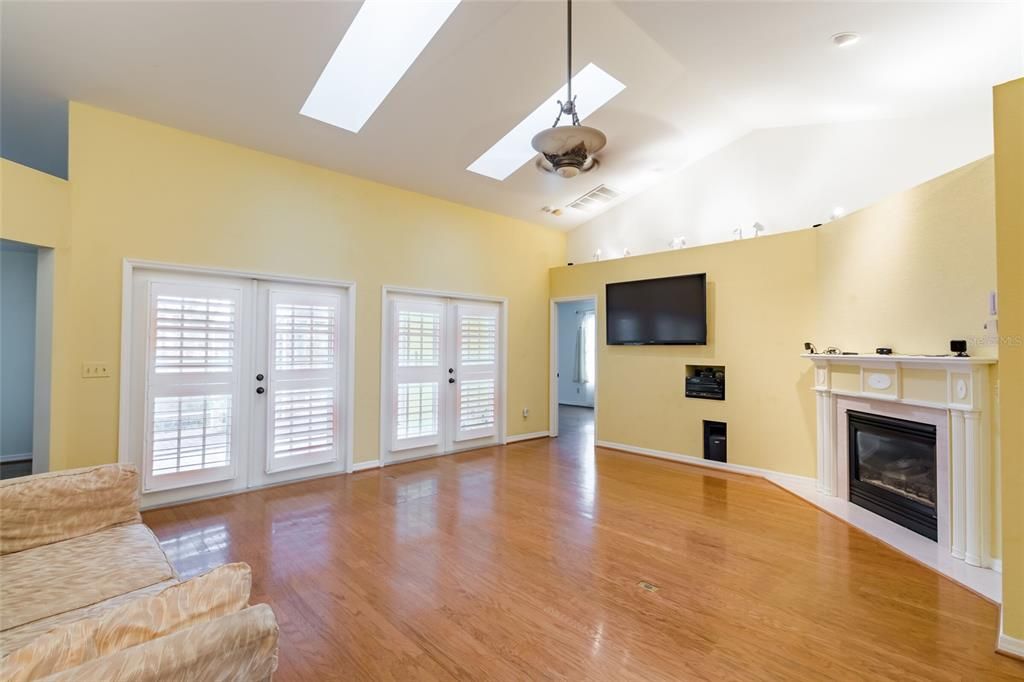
point(196, 551)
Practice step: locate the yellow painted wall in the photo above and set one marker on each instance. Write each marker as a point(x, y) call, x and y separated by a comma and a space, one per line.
point(144, 191)
point(914, 270)
point(1009, 173)
point(761, 305)
point(34, 206)
point(910, 272)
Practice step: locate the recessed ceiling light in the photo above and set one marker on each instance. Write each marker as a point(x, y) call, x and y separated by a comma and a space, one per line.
point(845, 39)
point(510, 152)
point(378, 48)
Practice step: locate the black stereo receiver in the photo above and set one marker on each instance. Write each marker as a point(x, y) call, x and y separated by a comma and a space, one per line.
point(706, 383)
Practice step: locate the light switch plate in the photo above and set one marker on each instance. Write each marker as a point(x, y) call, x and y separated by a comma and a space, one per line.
point(95, 370)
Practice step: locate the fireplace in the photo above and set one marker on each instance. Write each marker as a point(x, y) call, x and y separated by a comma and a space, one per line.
point(893, 470)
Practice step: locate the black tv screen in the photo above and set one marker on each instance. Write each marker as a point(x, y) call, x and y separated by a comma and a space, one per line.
point(664, 311)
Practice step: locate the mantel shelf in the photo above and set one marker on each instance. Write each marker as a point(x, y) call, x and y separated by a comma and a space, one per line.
point(873, 359)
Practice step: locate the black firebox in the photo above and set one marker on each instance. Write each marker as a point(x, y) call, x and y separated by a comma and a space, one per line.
point(893, 470)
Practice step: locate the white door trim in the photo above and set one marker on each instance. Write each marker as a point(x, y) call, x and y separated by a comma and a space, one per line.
point(43, 371)
point(125, 451)
point(553, 361)
point(384, 431)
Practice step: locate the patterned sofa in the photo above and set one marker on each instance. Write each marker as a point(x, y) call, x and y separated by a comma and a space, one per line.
point(86, 593)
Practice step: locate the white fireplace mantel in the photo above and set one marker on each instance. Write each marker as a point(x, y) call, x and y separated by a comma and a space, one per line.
point(951, 392)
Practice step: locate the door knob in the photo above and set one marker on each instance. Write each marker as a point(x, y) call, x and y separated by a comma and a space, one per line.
point(451, 370)
point(260, 390)
point(451, 380)
point(259, 377)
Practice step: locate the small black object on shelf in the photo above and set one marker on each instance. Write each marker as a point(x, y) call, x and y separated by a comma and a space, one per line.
point(883, 351)
point(958, 347)
point(809, 347)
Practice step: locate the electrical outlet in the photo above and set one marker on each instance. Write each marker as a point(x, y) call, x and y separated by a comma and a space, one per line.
point(95, 370)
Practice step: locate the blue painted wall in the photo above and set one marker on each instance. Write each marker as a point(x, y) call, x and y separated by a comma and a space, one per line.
point(17, 346)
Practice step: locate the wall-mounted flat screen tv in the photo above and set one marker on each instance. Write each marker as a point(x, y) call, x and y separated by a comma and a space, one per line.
point(665, 311)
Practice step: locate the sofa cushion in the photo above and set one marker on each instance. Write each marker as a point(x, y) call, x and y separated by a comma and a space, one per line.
point(48, 508)
point(239, 646)
point(51, 579)
point(220, 592)
point(18, 637)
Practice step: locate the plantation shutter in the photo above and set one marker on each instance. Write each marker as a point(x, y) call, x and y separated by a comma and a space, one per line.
point(303, 379)
point(192, 368)
point(417, 372)
point(476, 403)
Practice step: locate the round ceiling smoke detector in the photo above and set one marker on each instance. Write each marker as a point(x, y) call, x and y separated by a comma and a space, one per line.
point(845, 39)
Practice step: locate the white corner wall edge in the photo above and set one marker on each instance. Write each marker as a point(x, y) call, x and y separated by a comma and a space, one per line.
point(527, 436)
point(363, 466)
point(1006, 644)
point(983, 581)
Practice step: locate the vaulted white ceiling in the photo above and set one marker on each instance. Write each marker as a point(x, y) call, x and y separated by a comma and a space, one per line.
point(697, 75)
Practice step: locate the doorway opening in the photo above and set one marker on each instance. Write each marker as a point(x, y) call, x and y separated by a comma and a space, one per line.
point(573, 367)
point(26, 327)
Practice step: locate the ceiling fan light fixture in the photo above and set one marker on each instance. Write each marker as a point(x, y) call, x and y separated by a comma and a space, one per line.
point(568, 150)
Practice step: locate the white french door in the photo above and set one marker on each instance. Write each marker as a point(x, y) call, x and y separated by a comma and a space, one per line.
point(233, 382)
point(299, 369)
point(442, 375)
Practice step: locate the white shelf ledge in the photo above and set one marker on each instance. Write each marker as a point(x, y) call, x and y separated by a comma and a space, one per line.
point(894, 359)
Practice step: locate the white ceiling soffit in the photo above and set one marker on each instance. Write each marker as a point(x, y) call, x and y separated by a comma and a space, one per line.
point(698, 75)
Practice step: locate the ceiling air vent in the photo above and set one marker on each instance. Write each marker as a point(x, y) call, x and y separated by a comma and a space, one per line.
point(599, 197)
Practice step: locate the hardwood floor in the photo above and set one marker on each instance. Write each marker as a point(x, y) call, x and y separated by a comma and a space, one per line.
point(525, 562)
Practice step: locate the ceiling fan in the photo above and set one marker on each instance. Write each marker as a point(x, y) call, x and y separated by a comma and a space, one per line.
point(568, 150)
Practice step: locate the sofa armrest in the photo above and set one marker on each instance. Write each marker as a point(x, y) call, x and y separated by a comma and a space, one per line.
point(239, 646)
point(47, 508)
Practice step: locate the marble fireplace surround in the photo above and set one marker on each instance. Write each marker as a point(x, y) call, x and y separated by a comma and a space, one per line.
point(948, 392)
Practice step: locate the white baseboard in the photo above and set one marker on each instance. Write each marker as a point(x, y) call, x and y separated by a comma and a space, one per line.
point(527, 436)
point(1006, 644)
point(701, 462)
point(362, 466)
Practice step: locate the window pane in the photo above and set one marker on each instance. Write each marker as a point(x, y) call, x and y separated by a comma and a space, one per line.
point(416, 410)
point(191, 433)
point(303, 336)
point(419, 339)
point(194, 335)
point(303, 422)
point(478, 339)
point(476, 404)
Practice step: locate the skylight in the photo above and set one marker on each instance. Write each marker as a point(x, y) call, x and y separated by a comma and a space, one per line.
point(593, 89)
point(383, 41)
